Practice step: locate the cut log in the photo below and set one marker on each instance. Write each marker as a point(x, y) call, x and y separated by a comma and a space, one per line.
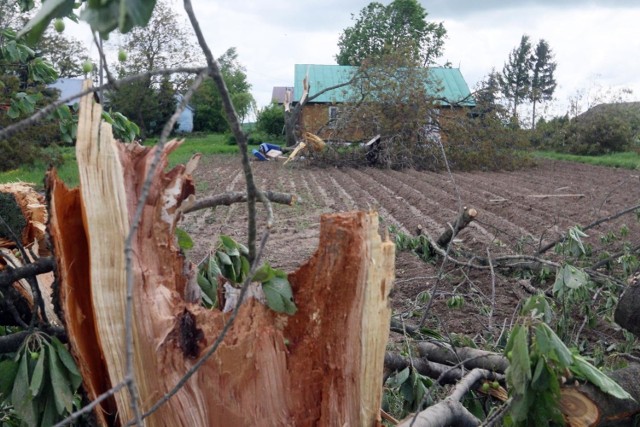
point(24, 211)
point(321, 366)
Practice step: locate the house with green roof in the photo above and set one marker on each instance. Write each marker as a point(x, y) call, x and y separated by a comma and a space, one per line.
point(446, 86)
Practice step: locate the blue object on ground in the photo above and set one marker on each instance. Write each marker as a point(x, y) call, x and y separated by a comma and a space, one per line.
point(265, 147)
point(259, 155)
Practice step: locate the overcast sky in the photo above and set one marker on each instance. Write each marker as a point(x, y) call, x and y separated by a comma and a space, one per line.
point(596, 43)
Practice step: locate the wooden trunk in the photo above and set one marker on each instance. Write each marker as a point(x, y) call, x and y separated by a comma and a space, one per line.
point(321, 366)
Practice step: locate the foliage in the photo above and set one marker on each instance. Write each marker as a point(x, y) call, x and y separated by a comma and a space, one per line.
point(270, 119)
point(543, 83)
point(409, 387)
point(516, 79)
point(164, 43)
point(539, 363)
point(103, 16)
point(230, 261)
point(482, 143)
point(64, 53)
point(207, 102)
point(597, 132)
point(40, 381)
point(380, 30)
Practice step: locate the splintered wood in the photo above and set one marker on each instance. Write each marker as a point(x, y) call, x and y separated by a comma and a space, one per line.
point(321, 366)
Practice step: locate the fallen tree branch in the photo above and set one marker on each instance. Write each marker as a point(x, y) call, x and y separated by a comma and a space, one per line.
point(229, 198)
point(593, 224)
point(450, 411)
point(41, 265)
point(471, 358)
point(12, 342)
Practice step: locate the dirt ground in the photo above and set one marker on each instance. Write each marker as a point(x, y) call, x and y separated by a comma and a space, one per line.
point(517, 212)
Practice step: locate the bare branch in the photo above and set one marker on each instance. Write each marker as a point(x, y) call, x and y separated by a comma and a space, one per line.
point(39, 266)
point(232, 197)
point(593, 224)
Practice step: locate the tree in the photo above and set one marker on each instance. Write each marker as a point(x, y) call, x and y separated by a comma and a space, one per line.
point(543, 83)
point(64, 53)
point(487, 95)
point(207, 102)
point(164, 43)
point(270, 120)
point(516, 78)
point(382, 29)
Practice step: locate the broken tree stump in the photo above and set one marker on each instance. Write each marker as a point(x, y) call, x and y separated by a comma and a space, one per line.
point(321, 366)
point(466, 216)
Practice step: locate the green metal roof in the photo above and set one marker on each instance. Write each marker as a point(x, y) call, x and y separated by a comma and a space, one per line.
point(443, 83)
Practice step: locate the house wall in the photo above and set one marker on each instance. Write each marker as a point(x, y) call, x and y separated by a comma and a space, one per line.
point(315, 119)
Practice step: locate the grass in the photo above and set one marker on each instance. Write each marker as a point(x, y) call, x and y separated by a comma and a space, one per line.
point(626, 160)
point(207, 145)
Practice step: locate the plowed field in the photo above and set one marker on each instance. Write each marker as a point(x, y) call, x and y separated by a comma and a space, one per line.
point(517, 212)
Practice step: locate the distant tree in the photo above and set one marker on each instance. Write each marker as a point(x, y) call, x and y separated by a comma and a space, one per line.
point(66, 54)
point(164, 43)
point(543, 83)
point(380, 30)
point(488, 95)
point(516, 77)
point(270, 120)
point(209, 113)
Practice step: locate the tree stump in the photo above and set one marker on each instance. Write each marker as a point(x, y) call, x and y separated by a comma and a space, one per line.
point(321, 366)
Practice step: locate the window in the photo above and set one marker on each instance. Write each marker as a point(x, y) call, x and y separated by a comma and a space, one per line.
point(333, 114)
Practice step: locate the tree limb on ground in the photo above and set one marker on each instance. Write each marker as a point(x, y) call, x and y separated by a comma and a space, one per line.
point(232, 197)
point(593, 224)
point(577, 398)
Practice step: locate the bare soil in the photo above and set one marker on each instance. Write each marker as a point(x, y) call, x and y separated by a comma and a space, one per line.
point(517, 213)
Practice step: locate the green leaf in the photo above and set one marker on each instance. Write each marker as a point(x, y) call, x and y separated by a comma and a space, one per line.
point(551, 345)
point(184, 240)
point(61, 387)
point(8, 372)
point(399, 378)
point(38, 373)
point(537, 305)
point(224, 258)
point(230, 245)
point(264, 273)
point(49, 416)
point(20, 395)
point(209, 290)
point(540, 380)
point(279, 295)
point(213, 269)
point(68, 362)
point(586, 370)
point(50, 9)
point(569, 277)
point(519, 371)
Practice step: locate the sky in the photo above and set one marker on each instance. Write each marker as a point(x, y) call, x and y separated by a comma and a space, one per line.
point(596, 43)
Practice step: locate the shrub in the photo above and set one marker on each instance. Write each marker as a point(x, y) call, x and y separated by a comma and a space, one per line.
point(270, 120)
point(601, 134)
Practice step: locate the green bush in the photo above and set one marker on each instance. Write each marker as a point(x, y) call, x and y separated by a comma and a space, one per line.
point(601, 134)
point(270, 120)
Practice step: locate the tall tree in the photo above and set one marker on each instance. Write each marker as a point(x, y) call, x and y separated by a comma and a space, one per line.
point(516, 77)
point(383, 29)
point(487, 95)
point(164, 43)
point(209, 112)
point(543, 83)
